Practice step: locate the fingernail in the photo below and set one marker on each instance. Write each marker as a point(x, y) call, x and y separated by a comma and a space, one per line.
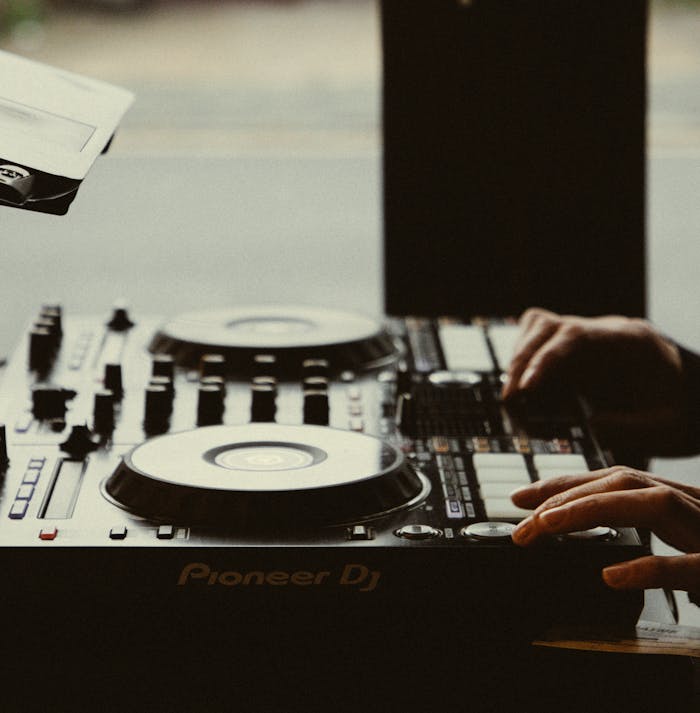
point(527, 377)
point(614, 576)
point(552, 518)
point(524, 531)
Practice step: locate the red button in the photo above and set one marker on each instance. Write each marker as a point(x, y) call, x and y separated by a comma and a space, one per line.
point(48, 533)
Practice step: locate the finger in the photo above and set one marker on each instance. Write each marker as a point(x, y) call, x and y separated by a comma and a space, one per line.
point(608, 480)
point(680, 572)
point(531, 315)
point(552, 492)
point(531, 496)
point(670, 513)
point(615, 477)
point(544, 492)
point(555, 350)
point(530, 341)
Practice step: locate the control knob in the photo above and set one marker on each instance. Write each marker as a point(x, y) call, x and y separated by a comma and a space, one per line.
point(113, 380)
point(79, 442)
point(316, 409)
point(120, 320)
point(41, 349)
point(210, 404)
point(263, 406)
point(103, 412)
point(158, 408)
point(49, 402)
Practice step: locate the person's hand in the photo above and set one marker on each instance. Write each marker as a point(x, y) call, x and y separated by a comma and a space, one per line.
point(631, 373)
point(620, 497)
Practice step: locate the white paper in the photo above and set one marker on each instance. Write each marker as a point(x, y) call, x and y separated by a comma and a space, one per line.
point(55, 121)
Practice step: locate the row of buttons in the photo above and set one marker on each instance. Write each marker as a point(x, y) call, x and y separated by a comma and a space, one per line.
point(80, 351)
point(164, 532)
point(355, 410)
point(479, 530)
point(26, 489)
point(496, 531)
point(455, 487)
point(481, 444)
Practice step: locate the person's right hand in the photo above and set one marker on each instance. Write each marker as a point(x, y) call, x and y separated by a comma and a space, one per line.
point(630, 371)
point(621, 497)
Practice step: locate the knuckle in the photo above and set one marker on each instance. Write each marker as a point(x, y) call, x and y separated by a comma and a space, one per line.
point(531, 313)
point(572, 331)
point(627, 479)
point(668, 500)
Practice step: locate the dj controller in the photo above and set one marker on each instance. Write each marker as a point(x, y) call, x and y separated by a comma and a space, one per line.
point(305, 487)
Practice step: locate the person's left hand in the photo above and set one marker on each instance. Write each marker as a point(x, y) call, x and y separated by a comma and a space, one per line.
point(621, 497)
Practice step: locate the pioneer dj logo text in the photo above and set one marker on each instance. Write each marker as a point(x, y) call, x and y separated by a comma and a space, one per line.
point(356, 576)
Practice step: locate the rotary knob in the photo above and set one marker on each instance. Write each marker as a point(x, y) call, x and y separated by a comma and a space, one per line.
point(316, 409)
point(210, 405)
point(79, 442)
point(49, 402)
point(263, 407)
point(113, 380)
point(103, 412)
point(41, 349)
point(120, 320)
point(158, 407)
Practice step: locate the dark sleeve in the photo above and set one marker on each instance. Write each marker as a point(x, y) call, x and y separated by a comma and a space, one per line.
point(691, 400)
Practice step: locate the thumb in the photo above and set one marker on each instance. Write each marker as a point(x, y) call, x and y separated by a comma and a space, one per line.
point(680, 572)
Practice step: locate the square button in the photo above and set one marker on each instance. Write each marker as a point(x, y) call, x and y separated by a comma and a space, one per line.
point(18, 509)
point(165, 532)
point(25, 492)
point(48, 533)
point(31, 476)
point(118, 533)
point(565, 463)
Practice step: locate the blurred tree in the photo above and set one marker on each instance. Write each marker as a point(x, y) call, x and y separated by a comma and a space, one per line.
point(14, 13)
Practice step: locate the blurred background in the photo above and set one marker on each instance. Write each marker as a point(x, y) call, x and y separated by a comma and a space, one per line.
point(248, 169)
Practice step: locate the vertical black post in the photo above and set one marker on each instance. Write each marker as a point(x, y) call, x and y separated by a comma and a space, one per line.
point(514, 145)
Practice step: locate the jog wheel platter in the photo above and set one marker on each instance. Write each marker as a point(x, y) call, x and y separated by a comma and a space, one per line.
point(290, 334)
point(264, 476)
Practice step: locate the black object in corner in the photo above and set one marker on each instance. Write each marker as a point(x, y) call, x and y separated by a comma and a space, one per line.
point(514, 171)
